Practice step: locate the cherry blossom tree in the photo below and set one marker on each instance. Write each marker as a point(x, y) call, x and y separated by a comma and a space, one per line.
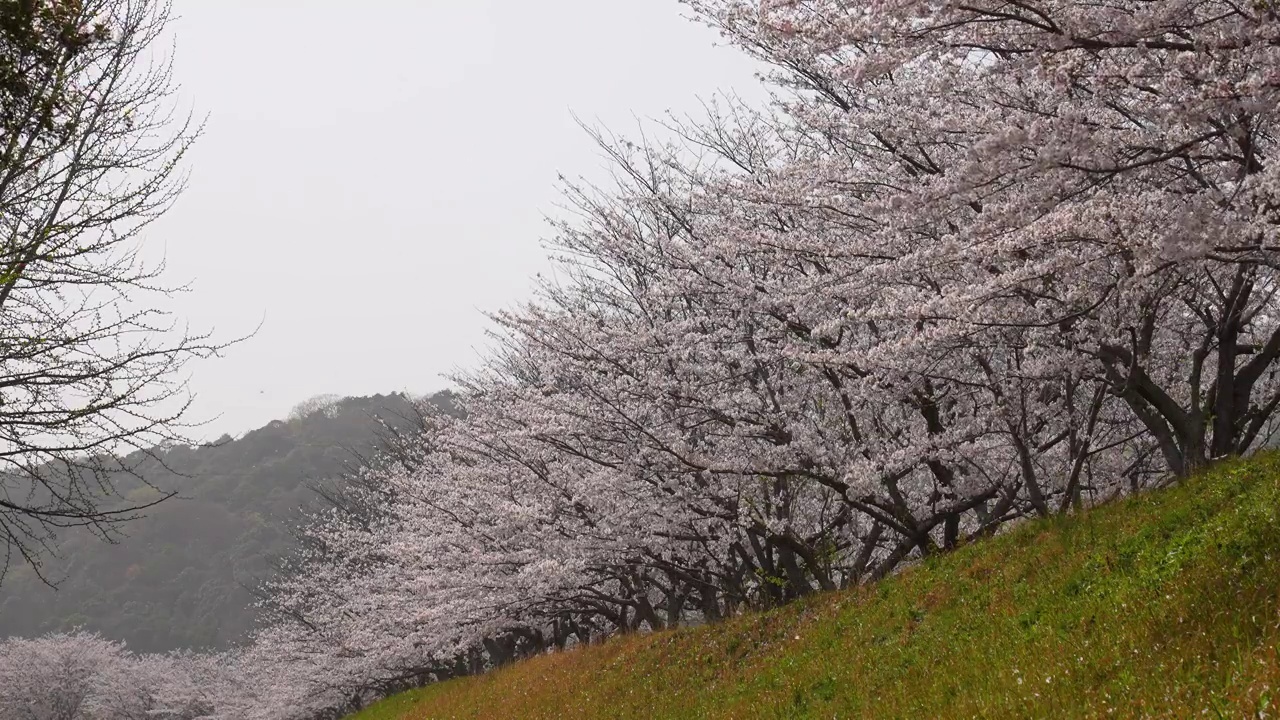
point(84, 677)
point(1096, 174)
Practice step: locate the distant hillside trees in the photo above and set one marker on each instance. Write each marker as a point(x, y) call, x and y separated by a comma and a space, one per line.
point(319, 403)
point(90, 367)
point(182, 577)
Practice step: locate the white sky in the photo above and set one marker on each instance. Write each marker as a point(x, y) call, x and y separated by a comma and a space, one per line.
point(375, 174)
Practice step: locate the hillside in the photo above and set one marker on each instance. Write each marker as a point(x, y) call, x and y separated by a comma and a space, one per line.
point(1163, 605)
point(180, 578)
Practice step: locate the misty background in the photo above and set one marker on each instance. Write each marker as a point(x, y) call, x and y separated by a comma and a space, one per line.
point(375, 176)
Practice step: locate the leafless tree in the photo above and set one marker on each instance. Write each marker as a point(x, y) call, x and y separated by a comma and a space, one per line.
point(91, 363)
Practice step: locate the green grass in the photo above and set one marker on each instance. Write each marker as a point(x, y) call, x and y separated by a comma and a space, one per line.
point(1165, 605)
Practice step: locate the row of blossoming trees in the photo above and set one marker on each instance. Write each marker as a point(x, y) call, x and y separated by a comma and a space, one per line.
point(978, 261)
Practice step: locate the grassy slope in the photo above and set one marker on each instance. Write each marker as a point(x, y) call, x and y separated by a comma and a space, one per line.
point(1164, 605)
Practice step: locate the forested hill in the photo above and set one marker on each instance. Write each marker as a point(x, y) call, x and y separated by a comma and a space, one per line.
point(179, 580)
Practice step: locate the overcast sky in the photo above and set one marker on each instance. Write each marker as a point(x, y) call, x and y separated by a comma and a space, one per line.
point(375, 175)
